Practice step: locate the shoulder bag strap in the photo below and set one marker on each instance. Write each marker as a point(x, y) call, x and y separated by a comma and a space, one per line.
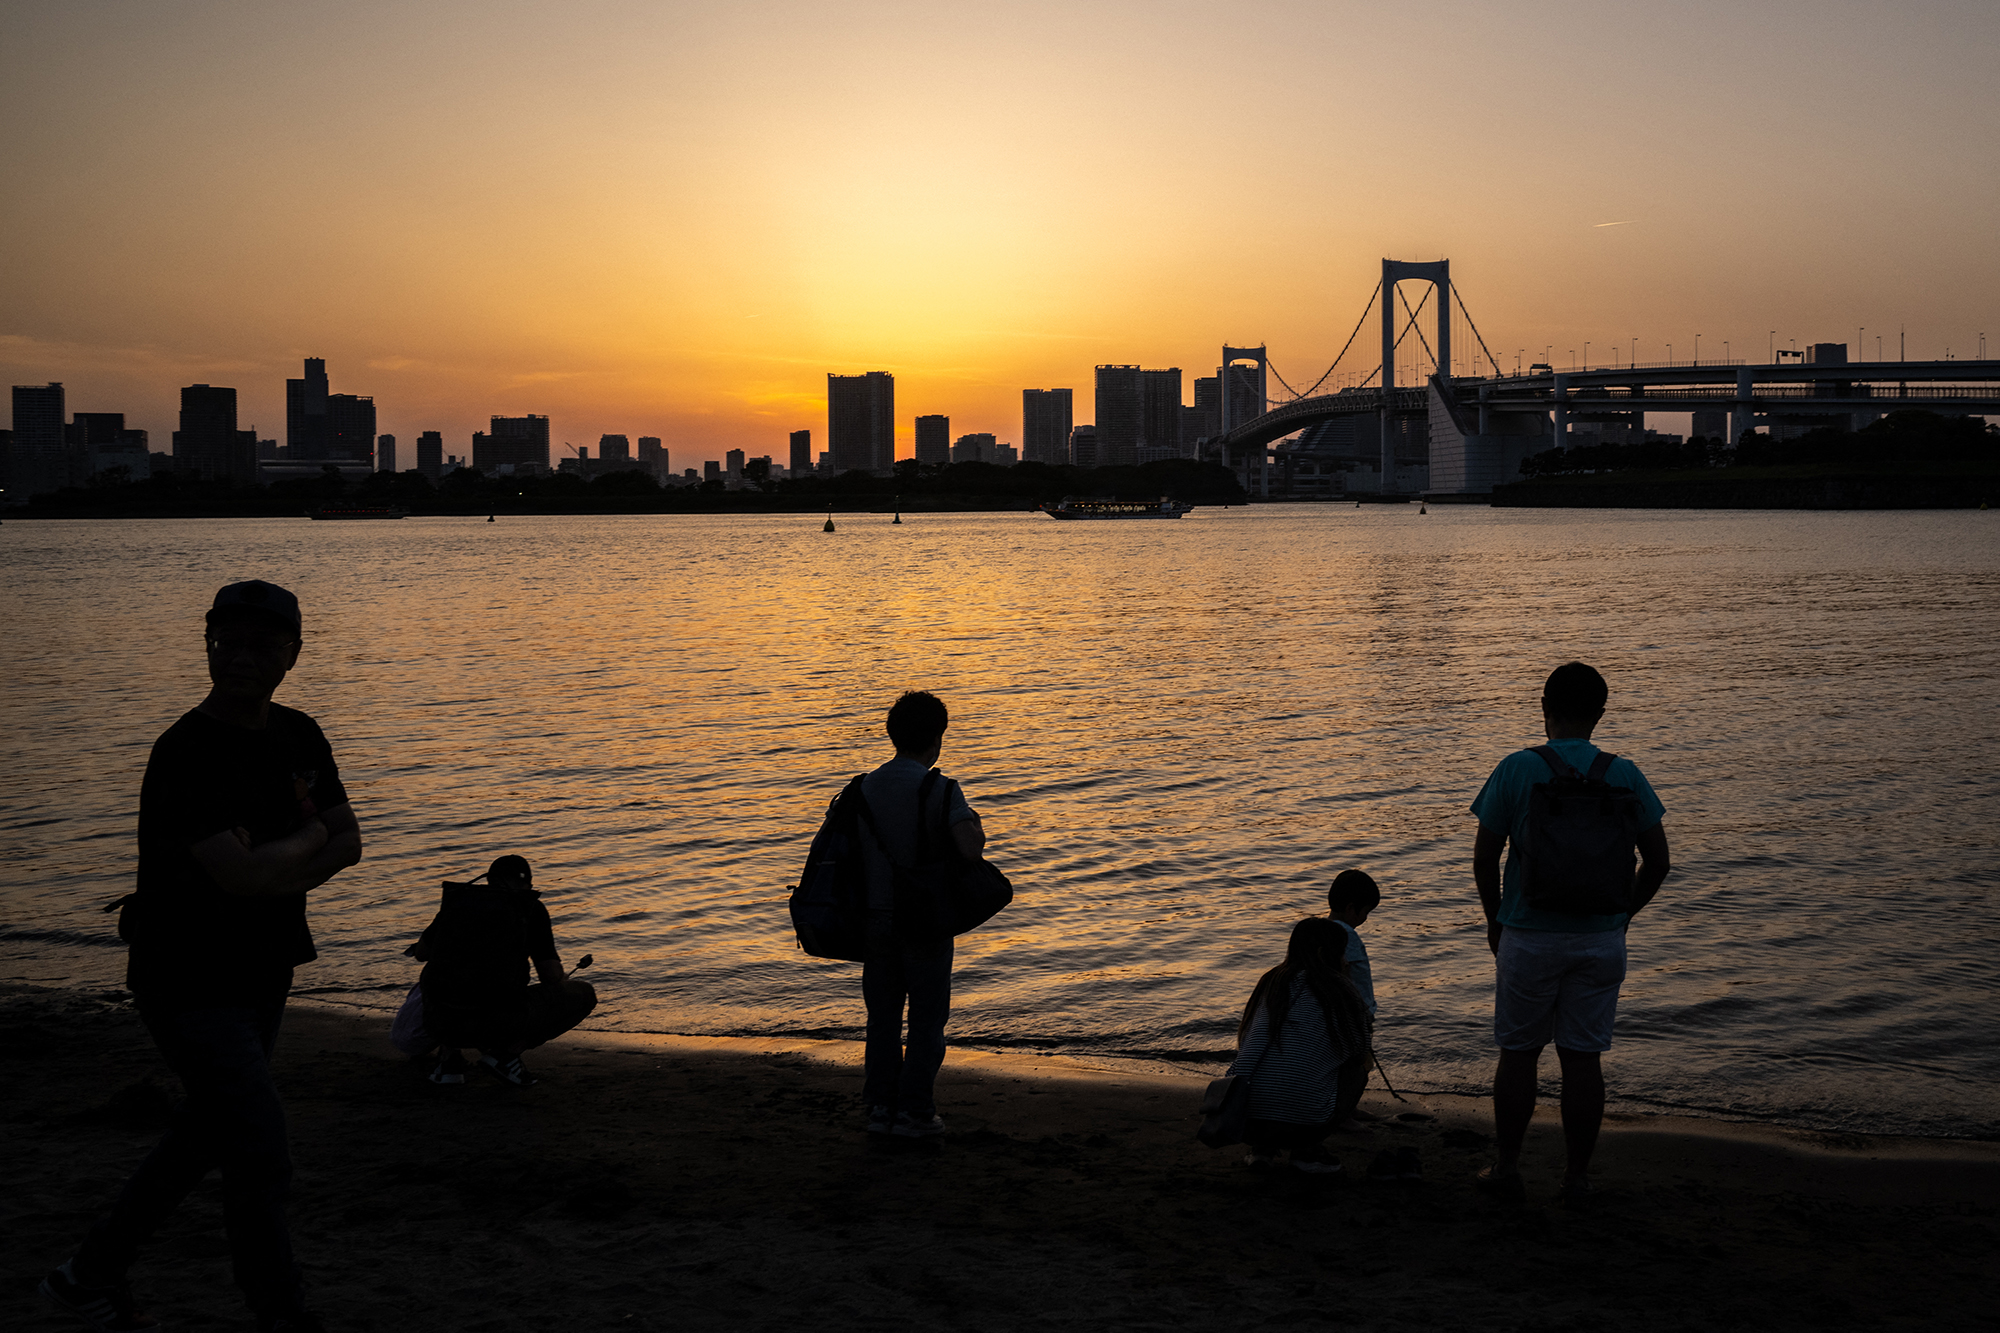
point(1601, 765)
point(924, 790)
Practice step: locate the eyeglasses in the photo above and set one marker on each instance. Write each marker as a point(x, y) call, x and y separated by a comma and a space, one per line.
point(261, 645)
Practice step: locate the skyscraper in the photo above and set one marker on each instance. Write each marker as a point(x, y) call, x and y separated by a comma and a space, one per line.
point(385, 453)
point(1045, 425)
point(1083, 446)
point(36, 459)
point(934, 439)
point(802, 453)
point(350, 427)
point(861, 421)
point(653, 457)
point(514, 441)
point(320, 424)
point(1160, 424)
point(1121, 415)
point(208, 442)
point(613, 449)
point(308, 434)
point(430, 454)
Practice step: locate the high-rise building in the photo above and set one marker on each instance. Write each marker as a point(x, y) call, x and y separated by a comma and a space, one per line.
point(430, 454)
point(37, 462)
point(308, 433)
point(1045, 425)
point(513, 441)
point(974, 448)
point(653, 457)
point(350, 427)
point(861, 421)
point(1121, 415)
point(613, 450)
point(208, 442)
point(732, 464)
point(934, 439)
point(385, 453)
point(320, 424)
point(802, 453)
point(1083, 446)
point(1247, 395)
point(1160, 423)
point(1205, 417)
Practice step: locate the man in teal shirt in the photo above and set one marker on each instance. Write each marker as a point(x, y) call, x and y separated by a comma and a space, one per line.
point(1556, 974)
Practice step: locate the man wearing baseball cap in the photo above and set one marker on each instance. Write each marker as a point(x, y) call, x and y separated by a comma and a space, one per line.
point(241, 814)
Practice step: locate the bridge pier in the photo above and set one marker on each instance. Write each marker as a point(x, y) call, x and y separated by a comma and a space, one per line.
point(1559, 415)
point(1742, 417)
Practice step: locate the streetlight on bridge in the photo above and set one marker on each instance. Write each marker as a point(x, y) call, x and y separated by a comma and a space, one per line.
point(1586, 354)
point(1697, 349)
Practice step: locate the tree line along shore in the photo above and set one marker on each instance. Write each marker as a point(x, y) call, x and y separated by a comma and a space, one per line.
point(957, 486)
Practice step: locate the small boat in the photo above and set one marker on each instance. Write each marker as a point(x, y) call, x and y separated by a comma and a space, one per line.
point(357, 511)
point(1072, 507)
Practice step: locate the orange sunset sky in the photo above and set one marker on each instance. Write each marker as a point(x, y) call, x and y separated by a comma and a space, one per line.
point(675, 219)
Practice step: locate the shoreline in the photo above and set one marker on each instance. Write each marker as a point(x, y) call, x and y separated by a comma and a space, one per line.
point(658, 1182)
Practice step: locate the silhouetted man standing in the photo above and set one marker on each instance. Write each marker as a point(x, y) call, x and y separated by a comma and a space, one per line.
point(1557, 972)
point(241, 814)
point(909, 805)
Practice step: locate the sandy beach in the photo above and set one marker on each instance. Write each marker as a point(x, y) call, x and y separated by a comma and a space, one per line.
point(677, 1183)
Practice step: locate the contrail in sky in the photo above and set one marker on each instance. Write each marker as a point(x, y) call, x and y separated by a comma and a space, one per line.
point(1626, 223)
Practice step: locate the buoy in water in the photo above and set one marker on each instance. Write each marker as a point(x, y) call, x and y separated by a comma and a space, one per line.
point(829, 522)
point(1421, 509)
point(899, 510)
point(489, 518)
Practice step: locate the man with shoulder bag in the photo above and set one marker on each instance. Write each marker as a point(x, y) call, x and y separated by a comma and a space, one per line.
point(920, 841)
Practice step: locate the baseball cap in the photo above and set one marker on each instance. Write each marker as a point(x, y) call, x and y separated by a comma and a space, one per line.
point(255, 599)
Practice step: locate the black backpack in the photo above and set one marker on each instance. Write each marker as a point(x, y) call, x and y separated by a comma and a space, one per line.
point(1582, 840)
point(830, 901)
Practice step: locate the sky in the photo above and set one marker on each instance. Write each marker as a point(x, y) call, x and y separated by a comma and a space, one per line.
point(675, 219)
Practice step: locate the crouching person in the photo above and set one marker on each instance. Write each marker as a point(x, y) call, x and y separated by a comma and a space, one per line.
point(476, 955)
point(1302, 1030)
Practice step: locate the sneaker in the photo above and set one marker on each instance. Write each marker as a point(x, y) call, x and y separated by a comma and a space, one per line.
point(1407, 1165)
point(1384, 1167)
point(1316, 1162)
point(108, 1308)
point(450, 1067)
point(908, 1126)
point(509, 1071)
point(1260, 1161)
point(880, 1118)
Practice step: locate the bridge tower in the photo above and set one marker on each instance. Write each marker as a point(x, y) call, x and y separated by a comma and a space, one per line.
point(1438, 274)
point(1245, 402)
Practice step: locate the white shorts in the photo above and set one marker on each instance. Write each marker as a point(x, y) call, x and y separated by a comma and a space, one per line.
point(1561, 986)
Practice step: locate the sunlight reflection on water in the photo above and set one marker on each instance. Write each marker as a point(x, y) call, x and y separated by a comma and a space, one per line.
point(1177, 732)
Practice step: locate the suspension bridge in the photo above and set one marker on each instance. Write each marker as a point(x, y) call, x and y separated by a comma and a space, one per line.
point(1479, 426)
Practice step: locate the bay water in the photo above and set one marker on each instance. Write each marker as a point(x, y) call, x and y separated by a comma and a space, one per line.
point(1177, 732)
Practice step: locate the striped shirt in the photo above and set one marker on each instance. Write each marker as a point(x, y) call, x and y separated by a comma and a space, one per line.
point(1295, 1082)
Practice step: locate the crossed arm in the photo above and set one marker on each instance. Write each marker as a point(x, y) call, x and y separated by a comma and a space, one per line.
point(300, 861)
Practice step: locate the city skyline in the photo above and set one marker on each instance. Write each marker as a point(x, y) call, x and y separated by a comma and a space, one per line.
point(689, 219)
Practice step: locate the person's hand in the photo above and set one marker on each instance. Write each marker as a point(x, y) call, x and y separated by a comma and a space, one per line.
point(241, 835)
point(1493, 929)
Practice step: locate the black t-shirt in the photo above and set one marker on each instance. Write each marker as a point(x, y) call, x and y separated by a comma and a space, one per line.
point(193, 943)
point(479, 945)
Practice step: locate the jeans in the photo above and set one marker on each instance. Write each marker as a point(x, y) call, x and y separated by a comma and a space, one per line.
point(920, 972)
point(231, 1119)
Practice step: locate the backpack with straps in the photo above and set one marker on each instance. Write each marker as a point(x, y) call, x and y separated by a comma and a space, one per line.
point(1582, 839)
point(830, 901)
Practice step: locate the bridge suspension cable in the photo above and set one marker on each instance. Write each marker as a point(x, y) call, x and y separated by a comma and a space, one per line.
point(1475, 330)
point(1296, 395)
point(1413, 322)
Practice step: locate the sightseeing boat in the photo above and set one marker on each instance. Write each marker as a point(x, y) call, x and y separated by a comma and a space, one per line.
point(1073, 507)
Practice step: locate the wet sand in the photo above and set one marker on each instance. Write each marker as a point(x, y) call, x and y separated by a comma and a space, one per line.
point(680, 1183)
